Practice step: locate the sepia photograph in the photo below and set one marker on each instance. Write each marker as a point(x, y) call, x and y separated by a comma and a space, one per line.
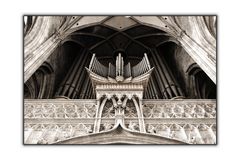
point(120, 79)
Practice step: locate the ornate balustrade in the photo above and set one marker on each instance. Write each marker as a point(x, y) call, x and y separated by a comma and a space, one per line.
point(52, 120)
point(191, 121)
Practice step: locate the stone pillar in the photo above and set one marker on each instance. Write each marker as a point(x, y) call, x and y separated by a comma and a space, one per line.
point(138, 106)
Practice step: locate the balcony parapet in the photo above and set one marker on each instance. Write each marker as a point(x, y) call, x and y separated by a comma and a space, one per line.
point(51, 120)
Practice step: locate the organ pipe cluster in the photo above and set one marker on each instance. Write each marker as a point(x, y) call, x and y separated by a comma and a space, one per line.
point(76, 84)
point(165, 82)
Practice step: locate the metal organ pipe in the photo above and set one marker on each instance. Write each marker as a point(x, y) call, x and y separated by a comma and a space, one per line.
point(129, 69)
point(79, 85)
point(147, 92)
point(89, 90)
point(156, 86)
point(161, 82)
point(164, 80)
point(78, 74)
point(155, 95)
point(122, 68)
point(91, 62)
point(149, 66)
point(84, 89)
point(173, 78)
point(117, 66)
point(120, 59)
point(169, 78)
point(82, 80)
point(109, 70)
point(59, 91)
point(145, 67)
point(94, 65)
point(141, 67)
point(71, 76)
point(150, 90)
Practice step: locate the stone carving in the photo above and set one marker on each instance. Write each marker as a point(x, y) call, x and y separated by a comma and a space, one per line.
point(189, 121)
point(57, 126)
point(133, 126)
point(130, 111)
point(106, 127)
point(51, 133)
point(82, 129)
point(108, 111)
point(181, 110)
point(59, 110)
point(189, 133)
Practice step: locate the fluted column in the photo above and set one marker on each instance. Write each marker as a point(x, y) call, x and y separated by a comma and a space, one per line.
point(138, 106)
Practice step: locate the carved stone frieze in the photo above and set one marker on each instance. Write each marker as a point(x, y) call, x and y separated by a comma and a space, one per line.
point(51, 121)
point(189, 133)
point(51, 133)
point(190, 121)
point(66, 109)
point(180, 109)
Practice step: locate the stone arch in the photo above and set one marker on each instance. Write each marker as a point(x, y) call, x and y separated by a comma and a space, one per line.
point(200, 86)
point(40, 84)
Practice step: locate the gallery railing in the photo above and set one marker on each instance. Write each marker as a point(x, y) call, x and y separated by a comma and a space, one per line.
point(50, 120)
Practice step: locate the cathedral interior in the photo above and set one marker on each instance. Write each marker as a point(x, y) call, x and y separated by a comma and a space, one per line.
point(61, 82)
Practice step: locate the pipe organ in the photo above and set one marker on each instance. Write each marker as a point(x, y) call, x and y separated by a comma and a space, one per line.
point(161, 85)
point(119, 86)
point(120, 71)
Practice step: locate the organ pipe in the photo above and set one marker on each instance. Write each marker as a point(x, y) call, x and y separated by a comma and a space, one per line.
point(174, 80)
point(157, 87)
point(159, 79)
point(122, 67)
point(78, 87)
point(150, 89)
point(78, 74)
point(145, 56)
point(164, 80)
point(170, 85)
point(173, 83)
point(72, 75)
point(75, 77)
point(155, 95)
point(66, 77)
point(166, 72)
point(89, 89)
point(65, 82)
point(84, 89)
point(91, 62)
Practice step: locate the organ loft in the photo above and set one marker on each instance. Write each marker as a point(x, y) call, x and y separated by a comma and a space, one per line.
point(119, 80)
